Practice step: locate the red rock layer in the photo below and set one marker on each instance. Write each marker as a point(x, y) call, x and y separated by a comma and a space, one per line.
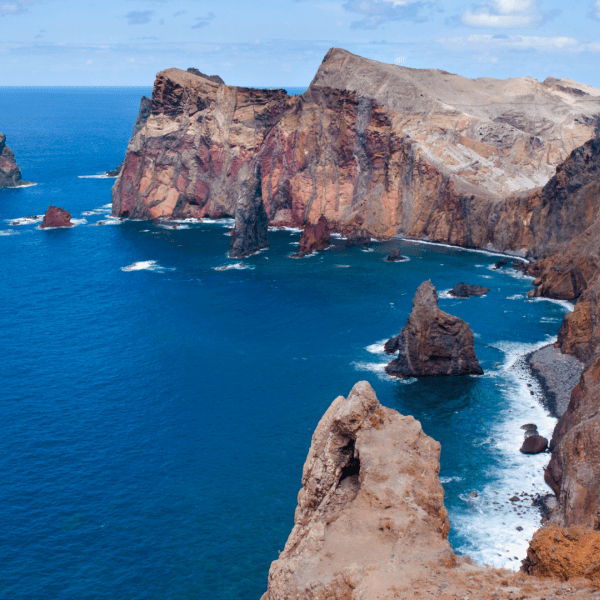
point(56, 217)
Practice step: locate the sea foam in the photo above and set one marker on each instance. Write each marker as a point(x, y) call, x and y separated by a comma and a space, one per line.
point(144, 265)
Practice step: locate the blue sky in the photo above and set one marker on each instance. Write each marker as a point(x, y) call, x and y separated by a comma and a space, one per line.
point(282, 42)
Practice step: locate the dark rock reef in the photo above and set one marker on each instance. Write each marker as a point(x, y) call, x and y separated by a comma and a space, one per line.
point(56, 217)
point(465, 290)
point(395, 256)
point(10, 174)
point(432, 343)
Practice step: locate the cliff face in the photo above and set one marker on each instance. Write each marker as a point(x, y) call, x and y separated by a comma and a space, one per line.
point(372, 147)
point(10, 174)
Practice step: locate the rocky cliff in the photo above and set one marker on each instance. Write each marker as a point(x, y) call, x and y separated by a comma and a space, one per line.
point(371, 522)
point(10, 174)
point(432, 343)
point(370, 146)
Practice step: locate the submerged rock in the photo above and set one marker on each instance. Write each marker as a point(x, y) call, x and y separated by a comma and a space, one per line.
point(464, 290)
point(314, 237)
point(56, 217)
point(250, 232)
point(395, 256)
point(370, 489)
point(432, 343)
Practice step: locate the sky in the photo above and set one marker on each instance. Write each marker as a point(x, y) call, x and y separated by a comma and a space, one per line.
point(281, 43)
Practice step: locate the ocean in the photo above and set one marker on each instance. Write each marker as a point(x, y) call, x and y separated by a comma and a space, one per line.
point(158, 398)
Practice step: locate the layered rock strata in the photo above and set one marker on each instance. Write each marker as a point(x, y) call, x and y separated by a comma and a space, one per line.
point(10, 174)
point(370, 146)
point(432, 343)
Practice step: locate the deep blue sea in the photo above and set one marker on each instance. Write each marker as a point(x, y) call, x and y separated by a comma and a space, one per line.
point(158, 398)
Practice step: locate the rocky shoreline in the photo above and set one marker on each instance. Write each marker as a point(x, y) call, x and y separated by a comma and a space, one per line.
point(557, 374)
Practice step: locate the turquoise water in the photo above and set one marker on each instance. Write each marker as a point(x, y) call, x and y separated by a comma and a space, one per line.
point(159, 398)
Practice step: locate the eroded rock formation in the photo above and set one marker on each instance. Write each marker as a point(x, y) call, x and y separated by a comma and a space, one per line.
point(56, 217)
point(370, 490)
point(371, 146)
point(432, 343)
point(314, 237)
point(10, 174)
point(250, 232)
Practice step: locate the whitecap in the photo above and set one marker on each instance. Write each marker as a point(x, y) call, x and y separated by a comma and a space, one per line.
point(367, 250)
point(225, 221)
point(144, 265)
point(110, 220)
point(379, 370)
point(99, 176)
point(377, 347)
point(342, 266)
point(489, 520)
point(568, 306)
point(445, 295)
point(25, 220)
point(295, 256)
point(4, 232)
point(516, 297)
point(236, 266)
point(450, 479)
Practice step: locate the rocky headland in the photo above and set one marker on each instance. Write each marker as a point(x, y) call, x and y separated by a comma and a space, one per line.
point(10, 174)
point(371, 521)
point(372, 147)
point(432, 343)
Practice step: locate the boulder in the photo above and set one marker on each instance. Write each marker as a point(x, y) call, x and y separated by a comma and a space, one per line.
point(564, 553)
point(432, 343)
point(395, 256)
point(56, 217)
point(464, 290)
point(250, 232)
point(314, 237)
point(534, 444)
point(370, 491)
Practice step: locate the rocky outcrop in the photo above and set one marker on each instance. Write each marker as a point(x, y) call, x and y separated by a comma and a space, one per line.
point(314, 237)
point(395, 256)
point(465, 290)
point(432, 343)
point(370, 491)
point(251, 227)
point(371, 147)
point(10, 174)
point(534, 444)
point(564, 553)
point(56, 217)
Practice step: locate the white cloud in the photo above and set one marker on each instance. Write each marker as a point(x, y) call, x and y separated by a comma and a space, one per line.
point(519, 42)
point(10, 8)
point(505, 14)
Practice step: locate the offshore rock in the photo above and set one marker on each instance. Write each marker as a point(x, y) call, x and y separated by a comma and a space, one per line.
point(10, 174)
point(359, 237)
point(314, 237)
point(370, 146)
point(395, 256)
point(464, 290)
point(564, 553)
point(371, 509)
point(56, 217)
point(432, 343)
point(251, 226)
point(534, 444)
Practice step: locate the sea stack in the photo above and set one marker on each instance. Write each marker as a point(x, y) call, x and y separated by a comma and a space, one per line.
point(432, 343)
point(251, 225)
point(370, 488)
point(314, 237)
point(56, 217)
point(10, 174)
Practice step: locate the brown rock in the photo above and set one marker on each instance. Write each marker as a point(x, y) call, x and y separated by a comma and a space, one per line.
point(395, 256)
point(432, 343)
point(56, 217)
point(370, 489)
point(564, 553)
point(314, 237)
point(534, 444)
point(10, 174)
